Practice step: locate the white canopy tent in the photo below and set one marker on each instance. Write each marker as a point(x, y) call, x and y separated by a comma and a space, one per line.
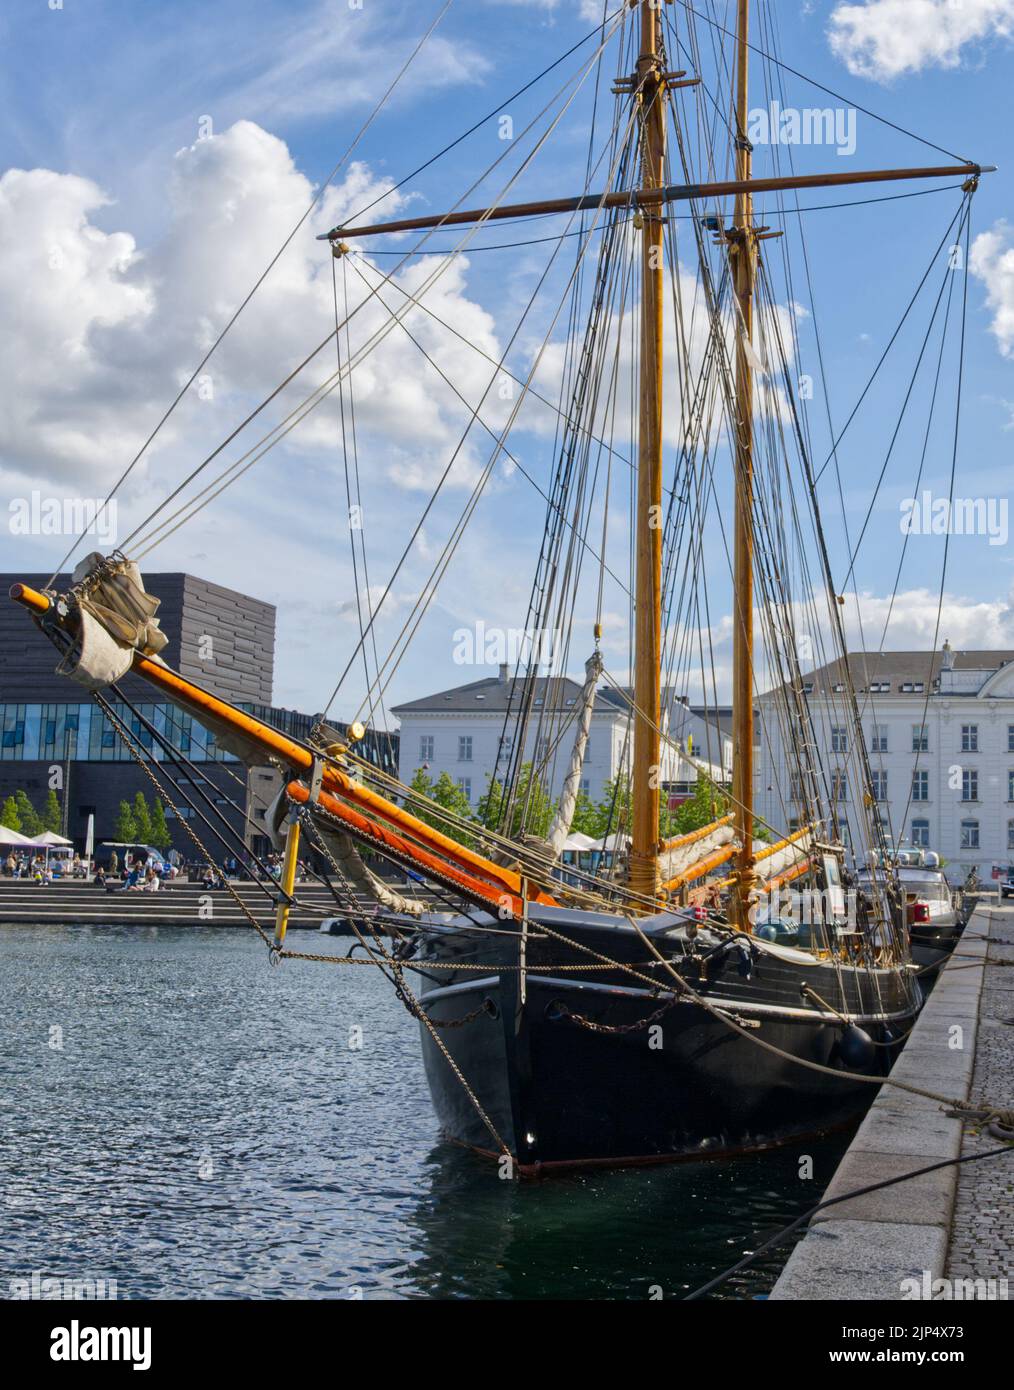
point(14, 838)
point(49, 837)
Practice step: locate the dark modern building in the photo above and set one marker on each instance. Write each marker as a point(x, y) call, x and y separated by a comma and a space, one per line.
point(51, 730)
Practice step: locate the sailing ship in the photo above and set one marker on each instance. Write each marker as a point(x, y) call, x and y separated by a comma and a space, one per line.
point(656, 1005)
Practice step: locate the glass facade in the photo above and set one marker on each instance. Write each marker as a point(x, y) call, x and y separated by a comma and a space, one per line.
point(81, 732)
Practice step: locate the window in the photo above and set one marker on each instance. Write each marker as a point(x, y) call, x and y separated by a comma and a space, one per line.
point(465, 783)
point(586, 785)
point(839, 785)
point(920, 834)
point(1010, 738)
point(969, 738)
point(465, 749)
point(795, 787)
point(880, 687)
point(969, 834)
point(543, 750)
point(920, 738)
point(1010, 834)
point(969, 785)
point(920, 786)
point(839, 739)
point(185, 813)
point(878, 738)
point(426, 748)
point(1010, 786)
point(879, 786)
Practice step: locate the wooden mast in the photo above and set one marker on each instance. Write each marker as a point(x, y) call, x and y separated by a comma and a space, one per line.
point(742, 240)
point(645, 778)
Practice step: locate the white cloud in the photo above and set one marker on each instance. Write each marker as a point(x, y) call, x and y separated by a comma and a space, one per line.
point(686, 357)
point(992, 261)
point(101, 332)
point(965, 622)
point(883, 39)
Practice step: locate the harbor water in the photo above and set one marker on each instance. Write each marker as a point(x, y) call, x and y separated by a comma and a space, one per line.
point(181, 1117)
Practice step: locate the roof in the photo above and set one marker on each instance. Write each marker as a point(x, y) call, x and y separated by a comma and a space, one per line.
point(896, 669)
point(493, 695)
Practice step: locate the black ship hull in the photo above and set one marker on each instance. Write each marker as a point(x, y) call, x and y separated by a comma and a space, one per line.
point(592, 1067)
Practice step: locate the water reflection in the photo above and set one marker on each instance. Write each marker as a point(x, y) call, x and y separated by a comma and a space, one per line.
point(199, 1125)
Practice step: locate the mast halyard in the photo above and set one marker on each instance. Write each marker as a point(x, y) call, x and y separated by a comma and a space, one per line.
point(645, 777)
point(742, 239)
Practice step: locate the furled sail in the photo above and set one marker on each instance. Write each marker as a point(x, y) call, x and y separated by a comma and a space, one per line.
point(362, 878)
point(777, 860)
point(346, 856)
point(560, 828)
point(682, 853)
point(116, 621)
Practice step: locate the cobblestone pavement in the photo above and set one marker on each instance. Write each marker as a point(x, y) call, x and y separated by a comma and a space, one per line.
point(982, 1231)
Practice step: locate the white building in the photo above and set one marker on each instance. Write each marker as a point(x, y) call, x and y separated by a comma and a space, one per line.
point(939, 732)
point(466, 732)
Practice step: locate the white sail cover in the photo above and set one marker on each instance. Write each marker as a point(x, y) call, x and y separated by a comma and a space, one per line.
point(117, 620)
point(560, 828)
point(675, 862)
point(362, 878)
point(789, 857)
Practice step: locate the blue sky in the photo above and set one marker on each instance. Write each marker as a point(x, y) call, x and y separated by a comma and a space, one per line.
point(128, 240)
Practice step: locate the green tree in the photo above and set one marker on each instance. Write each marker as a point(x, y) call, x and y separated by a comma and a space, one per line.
point(31, 825)
point(52, 815)
point(531, 810)
point(142, 819)
point(586, 816)
point(9, 818)
point(708, 803)
point(612, 811)
point(444, 793)
point(490, 804)
point(160, 836)
point(125, 827)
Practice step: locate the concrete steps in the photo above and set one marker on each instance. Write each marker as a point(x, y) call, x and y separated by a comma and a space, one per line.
point(175, 904)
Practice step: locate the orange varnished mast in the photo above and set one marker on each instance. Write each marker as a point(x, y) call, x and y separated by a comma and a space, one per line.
point(646, 770)
point(742, 239)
